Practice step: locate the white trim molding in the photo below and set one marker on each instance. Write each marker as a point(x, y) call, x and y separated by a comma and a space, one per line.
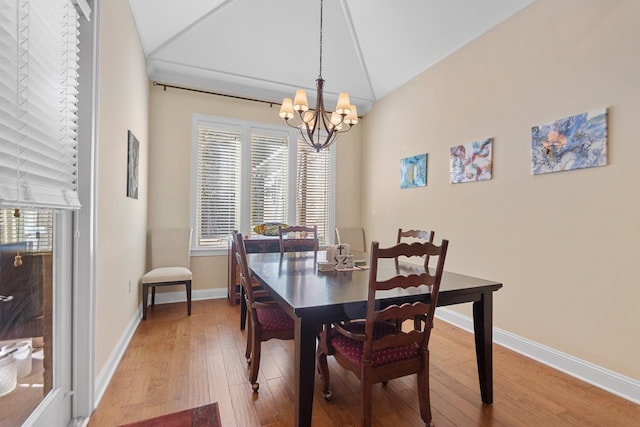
point(109, 368)
point(620, 385)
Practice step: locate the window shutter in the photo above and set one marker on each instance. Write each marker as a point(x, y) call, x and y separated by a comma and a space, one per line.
point(313, 182)
point(218, 191)
point(269, 172)
point(38, 104)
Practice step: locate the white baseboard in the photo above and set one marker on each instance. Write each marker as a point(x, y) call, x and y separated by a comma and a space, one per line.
point(105, 375)
point(625, 387)
point(103, 379)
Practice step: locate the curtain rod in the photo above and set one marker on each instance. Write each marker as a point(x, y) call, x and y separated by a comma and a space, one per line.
point(166, 85)
point(271, 103)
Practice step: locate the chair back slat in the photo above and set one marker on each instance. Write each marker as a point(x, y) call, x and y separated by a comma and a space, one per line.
point(305, 238)
point(416, 235)
point(402, 312)
point(399, 281)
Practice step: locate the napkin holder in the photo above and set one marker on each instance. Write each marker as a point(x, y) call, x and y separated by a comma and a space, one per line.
point(340, 256)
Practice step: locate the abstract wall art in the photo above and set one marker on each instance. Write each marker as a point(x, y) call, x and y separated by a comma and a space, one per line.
point(133, 153)
point(413, 171)
point(574, 142)
point(471, 162)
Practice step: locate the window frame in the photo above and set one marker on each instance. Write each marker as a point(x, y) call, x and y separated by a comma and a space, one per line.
point(247, 127)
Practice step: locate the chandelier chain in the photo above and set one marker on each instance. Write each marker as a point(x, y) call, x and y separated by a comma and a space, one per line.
point(321, 4)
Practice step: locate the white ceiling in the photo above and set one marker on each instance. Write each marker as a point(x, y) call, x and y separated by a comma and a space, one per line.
point(266, 49)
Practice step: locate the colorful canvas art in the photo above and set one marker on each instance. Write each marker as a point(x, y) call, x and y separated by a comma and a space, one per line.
point(575, 142)
point(413, 171)
point(471, 162)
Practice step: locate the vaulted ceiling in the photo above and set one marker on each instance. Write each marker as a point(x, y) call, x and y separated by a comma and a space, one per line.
point(266, 49)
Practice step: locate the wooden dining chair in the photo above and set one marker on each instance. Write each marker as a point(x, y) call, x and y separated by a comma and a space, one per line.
point(266, 319)
point(259, 293)
point(376, 349)
point(298, 238)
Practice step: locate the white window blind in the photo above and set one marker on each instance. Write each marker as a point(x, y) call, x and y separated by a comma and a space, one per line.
point(269, 175)
point(248, 173)
point(38, 103)
point(218, 185)
point(313, 189)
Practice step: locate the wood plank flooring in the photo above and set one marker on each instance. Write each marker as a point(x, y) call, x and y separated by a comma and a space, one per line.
point(175, 362)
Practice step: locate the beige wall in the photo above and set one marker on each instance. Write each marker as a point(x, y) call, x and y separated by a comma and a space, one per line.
point(565, 245)
point(170, 166)
point(121, 221)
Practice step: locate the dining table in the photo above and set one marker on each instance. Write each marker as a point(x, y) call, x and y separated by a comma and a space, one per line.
point(314, 298)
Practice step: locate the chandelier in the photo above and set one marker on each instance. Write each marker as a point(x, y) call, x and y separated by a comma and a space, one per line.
point(319, 128)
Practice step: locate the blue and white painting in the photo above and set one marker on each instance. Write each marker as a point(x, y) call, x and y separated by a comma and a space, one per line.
point(413, 171)
point(471, 162)
point(575, 142)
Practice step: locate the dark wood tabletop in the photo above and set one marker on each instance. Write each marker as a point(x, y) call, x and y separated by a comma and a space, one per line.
point(313, 298)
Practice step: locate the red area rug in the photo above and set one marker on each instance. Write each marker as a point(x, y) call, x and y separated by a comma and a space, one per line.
point(203, 416)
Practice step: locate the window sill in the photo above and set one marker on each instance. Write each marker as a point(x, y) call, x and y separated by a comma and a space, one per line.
point(209, 252)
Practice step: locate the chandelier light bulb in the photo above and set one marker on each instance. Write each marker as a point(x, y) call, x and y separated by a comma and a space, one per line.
point(344, 105)
point(300, 100)
point(352, 117)
point(286, 110)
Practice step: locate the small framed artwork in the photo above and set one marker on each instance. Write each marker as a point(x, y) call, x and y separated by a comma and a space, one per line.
point(133, 153)
point(471, 162)
point(413, 171)
point(574, 142)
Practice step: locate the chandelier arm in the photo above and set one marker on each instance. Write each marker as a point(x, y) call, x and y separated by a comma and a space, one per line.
point(286, 120)
point(345, 130)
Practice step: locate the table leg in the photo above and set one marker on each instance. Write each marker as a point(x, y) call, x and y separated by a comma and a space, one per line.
point(483, 333)
point(305, 360)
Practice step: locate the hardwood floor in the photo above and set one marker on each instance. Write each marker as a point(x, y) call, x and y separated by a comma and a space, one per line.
point(175, 362)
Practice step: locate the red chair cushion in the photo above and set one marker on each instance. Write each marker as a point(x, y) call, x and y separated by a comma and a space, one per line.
point(353, 349)
point(274, 319)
